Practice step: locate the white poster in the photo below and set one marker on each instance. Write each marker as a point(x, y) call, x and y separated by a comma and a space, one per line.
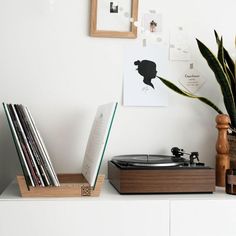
point(142, 65)
point(179, 49)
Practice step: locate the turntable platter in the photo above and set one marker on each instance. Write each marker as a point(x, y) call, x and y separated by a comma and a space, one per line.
point(144, 160)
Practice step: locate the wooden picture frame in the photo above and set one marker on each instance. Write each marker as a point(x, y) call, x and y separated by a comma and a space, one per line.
point(113, 21)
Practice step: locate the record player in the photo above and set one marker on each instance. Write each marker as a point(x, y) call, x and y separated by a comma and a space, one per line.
point(179, 173)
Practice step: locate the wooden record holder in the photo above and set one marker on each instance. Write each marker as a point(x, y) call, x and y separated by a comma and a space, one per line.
point(71, 185)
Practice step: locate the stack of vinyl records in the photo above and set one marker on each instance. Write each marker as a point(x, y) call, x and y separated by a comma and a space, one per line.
point(35, 162)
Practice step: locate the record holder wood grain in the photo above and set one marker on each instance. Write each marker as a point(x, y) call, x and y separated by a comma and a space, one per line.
point(72, 185)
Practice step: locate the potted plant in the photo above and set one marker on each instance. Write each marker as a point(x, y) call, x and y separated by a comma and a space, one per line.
point(224, 69)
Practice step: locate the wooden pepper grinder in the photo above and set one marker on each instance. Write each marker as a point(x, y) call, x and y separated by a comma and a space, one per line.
point(222, 148)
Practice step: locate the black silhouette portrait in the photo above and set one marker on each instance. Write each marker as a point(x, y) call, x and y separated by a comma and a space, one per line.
point(148, 70)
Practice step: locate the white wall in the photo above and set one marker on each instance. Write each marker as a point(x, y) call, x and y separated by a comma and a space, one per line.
point(49, 63)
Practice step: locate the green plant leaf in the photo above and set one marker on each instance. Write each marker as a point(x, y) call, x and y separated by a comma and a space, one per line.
point(227, 71)
point(232, 81)
point(221, 78)
point(187, 94)
point(225, 64)
point(229, 61)
point(220, 54)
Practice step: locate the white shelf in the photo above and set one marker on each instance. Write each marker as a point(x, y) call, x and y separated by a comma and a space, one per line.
point(118, 215)
point(109, 193)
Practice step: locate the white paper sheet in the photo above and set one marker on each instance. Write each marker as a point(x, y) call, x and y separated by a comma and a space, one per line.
point(179, 48)
point(191, 79)
point(97, 141)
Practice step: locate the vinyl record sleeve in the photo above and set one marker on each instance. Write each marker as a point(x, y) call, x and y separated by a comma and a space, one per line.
point(32, 143)
point(22, 158)
point(97, 141)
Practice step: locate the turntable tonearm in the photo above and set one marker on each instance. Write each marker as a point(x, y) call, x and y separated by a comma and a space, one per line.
point(161, 174)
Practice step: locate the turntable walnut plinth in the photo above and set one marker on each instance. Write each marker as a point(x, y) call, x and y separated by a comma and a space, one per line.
point(161, 180)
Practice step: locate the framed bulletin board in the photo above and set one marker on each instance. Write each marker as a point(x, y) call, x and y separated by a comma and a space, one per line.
point(113, 19)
